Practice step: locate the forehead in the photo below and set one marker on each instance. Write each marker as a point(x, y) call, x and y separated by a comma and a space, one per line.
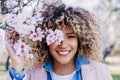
point(65, 26)
point(66, 30)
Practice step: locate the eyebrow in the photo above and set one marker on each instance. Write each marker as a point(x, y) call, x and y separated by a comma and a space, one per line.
point(70, 33)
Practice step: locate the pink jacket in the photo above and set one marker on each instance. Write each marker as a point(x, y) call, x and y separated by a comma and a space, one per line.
point(93, 71)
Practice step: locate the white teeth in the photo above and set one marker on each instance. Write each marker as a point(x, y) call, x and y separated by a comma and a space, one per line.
point(64, 52)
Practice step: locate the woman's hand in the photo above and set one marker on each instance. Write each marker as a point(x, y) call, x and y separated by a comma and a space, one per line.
point(17, 61)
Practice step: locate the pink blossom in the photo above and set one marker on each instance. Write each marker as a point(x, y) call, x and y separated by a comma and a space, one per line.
point(22, 49)
point(59, 36)
point(33, 36)
point(54, 36)
point(40, 34)
point(50, 37)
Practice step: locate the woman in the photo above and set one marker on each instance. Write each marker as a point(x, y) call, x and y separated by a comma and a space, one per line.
point(76, 57)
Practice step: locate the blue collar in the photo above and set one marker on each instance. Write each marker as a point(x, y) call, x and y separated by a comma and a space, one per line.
point(78, 62)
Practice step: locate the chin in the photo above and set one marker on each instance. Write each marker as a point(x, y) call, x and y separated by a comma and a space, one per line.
point(64, 61)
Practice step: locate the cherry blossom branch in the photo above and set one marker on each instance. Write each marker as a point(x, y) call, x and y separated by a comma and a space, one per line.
point(9, 6)
point(6, 27)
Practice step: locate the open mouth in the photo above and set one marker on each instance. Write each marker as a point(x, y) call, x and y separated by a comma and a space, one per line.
point(63, 52)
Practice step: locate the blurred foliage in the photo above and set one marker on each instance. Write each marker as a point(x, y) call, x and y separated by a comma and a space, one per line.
point(116, 76)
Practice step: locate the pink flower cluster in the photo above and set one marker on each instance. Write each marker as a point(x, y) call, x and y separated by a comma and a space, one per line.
point(54, 36)
point(38, 35)
point(25, 24)
point(23, 49)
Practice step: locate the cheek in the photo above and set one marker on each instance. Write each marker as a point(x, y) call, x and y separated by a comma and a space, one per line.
point(74, 45)
point(52, 48)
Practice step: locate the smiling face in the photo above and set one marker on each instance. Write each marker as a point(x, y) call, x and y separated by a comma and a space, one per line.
point(65, 52)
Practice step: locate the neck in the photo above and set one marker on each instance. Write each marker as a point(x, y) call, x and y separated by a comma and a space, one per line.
point(63, 69)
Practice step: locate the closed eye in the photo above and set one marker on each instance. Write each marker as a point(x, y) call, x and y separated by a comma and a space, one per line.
point(71, 36)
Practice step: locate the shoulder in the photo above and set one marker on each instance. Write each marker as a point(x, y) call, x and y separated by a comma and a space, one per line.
point(99, 69)
point(36, 73)
point(103, 69)
point(99, 65)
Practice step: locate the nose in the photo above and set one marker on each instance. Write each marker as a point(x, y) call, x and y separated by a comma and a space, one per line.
point(63, 44)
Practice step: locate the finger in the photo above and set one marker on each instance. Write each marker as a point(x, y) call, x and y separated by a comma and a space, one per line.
point(10, 48)
point(12, 31)
point(14, 34)
point(9, 45)
point(12, 41)
point(7, 39)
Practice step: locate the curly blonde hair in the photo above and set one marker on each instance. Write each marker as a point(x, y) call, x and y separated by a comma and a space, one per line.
point(80, 21)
